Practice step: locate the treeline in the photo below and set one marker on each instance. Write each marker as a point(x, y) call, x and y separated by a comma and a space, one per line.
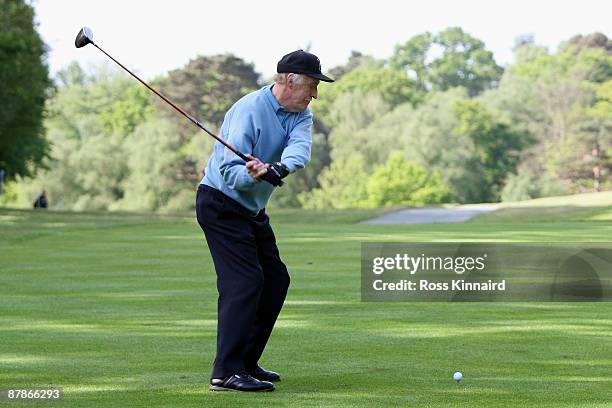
point(438, 121)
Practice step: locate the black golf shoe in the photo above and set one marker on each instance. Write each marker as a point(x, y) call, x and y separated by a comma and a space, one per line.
point(264, 375)
point(240, 382)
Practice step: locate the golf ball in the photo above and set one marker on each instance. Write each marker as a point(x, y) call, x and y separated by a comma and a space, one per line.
point(457, 376)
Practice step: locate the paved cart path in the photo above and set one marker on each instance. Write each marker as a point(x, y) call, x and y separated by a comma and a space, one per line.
point(431, 215)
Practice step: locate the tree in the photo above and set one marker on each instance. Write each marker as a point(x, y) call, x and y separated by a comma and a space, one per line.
point(463, 61)
point(428, 137)
point(342, 185)
point(393, 86)
point(304, 180)
point(593, 40)
point(87, 163)
point(598, 132)
point(425, 135)
point(154, 181)
point(327, 95)
point(206, 88)
point(73, 74)
point(525, 185)
point(345, 184)
point(111, 150)
point(353, 113)
point(497, 145)
point(399, 182)
point(549, 96)
point(25, 82)
point(356, 60)
point(412, 57)
point(132, 106)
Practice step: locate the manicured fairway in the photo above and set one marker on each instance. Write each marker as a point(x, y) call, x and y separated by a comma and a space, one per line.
point(119, 310)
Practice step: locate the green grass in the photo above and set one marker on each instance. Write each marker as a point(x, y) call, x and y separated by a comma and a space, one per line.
point(120, 311)
point(579, 207)
point(601, 199)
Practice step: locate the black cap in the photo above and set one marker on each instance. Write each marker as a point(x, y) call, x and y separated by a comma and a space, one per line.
point(302, 62)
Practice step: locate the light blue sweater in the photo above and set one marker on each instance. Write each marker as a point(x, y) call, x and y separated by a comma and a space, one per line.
point(257, 124)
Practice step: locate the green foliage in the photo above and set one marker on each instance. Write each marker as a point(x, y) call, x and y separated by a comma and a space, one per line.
point(354, 112)
point(436, 123)
point(399, 182)
point(206, 88)
point(355, 60)
point(525, 186)
point(342, 185)
point(602, 108)
point(464, 61)
point(345, 184)
point(9, 196)
point(73, 74)
point(303, 180)
point(111, 150)
point(393, 86)
point(553, 97)
point(99, 166)
point(87, 164)
point(597, 130)
point(154, 181)
point(467, 145)
point(593, 40)
point(131, 107)
point(497, 145)
point(428, 137)
point(412, 56)
point(24, 83)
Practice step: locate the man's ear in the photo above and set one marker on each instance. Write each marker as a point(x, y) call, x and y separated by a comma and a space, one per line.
point(291, 80)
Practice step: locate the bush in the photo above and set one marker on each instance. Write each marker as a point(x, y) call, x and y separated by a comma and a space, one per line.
point(184, 200)
point(525, 186)
point(399, 182)
point(342, 185)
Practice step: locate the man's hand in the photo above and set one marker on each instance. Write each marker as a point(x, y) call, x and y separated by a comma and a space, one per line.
point(272, 173)
point(255, 167)
point(275, 173)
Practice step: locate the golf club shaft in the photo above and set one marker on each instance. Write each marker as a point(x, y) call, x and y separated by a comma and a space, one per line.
point(178, 108)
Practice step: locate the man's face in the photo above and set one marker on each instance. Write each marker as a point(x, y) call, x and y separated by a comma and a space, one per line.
point(300, 93)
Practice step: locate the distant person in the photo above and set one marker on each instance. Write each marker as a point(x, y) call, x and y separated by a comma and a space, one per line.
point(41, 201)
point(1, 180)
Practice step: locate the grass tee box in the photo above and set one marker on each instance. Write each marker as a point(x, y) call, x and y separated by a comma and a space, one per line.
point(119, 310)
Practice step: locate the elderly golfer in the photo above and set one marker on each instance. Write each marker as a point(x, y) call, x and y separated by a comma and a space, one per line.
point(273, 125)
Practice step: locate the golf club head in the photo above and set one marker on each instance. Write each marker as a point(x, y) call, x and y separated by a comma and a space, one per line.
point(84, 37)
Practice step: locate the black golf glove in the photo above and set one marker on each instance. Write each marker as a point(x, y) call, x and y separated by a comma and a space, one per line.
point(276, 172)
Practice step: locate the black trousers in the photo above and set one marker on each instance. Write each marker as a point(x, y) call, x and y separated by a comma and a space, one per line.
point(252, 281)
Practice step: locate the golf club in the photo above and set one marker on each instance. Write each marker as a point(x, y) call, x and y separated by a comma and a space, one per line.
point(85, 36)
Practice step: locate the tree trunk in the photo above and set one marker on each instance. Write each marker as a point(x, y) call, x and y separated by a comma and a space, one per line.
point(596, 169)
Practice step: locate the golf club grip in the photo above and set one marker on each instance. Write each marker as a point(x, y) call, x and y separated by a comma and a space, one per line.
point(176, 107)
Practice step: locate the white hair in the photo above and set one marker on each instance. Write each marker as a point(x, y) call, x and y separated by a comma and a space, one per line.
point(282, 78)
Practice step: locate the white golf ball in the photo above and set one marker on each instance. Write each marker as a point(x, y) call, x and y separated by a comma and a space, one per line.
point(457, 376)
